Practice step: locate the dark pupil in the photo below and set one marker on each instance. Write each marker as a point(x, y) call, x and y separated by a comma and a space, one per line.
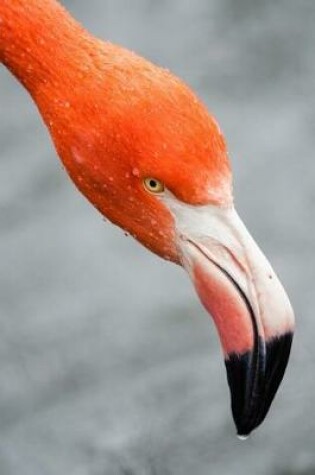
point(153, 184)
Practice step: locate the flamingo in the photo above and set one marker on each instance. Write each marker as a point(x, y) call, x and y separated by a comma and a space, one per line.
point(143, 149)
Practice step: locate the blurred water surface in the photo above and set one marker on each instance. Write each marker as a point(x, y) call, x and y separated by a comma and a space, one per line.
point(109, 365)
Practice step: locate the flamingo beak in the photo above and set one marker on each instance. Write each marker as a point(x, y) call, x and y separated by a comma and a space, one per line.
point(249, 306)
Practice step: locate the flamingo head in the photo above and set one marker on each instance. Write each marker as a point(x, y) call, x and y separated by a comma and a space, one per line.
point(145, 151)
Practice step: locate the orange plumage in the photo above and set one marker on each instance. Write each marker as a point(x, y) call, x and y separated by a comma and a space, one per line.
point(115, 118)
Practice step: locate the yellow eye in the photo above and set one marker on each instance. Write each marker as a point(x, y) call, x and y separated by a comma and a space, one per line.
point(153, 185)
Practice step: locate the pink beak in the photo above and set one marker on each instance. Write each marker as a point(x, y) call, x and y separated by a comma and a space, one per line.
point(249, 306)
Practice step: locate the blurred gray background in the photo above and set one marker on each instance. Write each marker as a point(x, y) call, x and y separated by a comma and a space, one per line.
point(108, 363)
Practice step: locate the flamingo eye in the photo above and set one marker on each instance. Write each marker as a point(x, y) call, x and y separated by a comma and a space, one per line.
point(153, 185)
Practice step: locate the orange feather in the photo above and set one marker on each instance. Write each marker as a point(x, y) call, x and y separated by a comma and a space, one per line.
point(115, 118)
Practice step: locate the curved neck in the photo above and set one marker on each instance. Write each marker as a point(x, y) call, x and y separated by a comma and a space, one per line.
point(38, 38)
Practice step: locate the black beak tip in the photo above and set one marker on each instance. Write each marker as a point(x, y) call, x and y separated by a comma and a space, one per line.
point(254, 378)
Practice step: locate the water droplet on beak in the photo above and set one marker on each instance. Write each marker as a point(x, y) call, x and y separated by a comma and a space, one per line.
point(242, 437)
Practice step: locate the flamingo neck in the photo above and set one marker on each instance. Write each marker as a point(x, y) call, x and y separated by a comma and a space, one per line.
point(40, 43)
